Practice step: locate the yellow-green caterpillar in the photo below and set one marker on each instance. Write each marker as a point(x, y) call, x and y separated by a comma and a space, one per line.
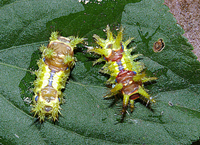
point(54, 70)
point(126, 75)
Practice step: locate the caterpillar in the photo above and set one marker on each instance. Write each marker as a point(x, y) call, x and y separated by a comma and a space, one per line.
point(127, 76)
point(54, 69)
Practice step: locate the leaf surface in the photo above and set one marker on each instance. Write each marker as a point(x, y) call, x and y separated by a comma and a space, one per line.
point(87, 118)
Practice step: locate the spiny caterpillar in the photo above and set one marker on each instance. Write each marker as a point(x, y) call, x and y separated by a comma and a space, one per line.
point(54, 69)
point(126, 75)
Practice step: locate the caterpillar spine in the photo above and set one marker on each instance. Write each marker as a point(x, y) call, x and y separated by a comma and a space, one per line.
point(126, 75)
point(54, 69)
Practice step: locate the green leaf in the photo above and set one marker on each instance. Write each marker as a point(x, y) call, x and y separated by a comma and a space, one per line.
point(25, 22)
point(86, 117)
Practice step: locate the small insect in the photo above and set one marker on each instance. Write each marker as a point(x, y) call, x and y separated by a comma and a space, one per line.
point(126, 75)
point(159, 45)
point(54, 69)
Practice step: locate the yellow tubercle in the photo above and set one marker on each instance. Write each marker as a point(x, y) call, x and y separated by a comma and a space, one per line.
point(125, 100)
point(54, 36)
point(98, 61)
point(100, 41)
point(118, 40)
point(128, 41)
point(117, 88)
point(138, 77)
point(111, 80)
point(109, 34)
point(145, 79)
point(42, 48)
point(132, 105)
point(75, 40)
point(69, 59)
point(142, 92)
point(48, 53)
point(100, 51)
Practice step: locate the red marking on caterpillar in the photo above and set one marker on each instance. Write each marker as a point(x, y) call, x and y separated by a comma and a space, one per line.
point(54, 70)
point(126, 75)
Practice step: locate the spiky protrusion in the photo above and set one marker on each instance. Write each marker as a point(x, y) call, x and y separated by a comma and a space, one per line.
point(126, 75)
